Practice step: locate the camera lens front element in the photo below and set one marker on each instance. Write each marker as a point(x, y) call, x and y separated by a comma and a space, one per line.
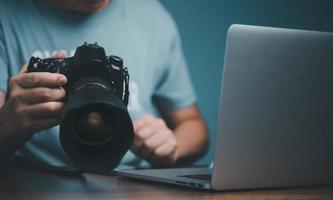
point(93, 126)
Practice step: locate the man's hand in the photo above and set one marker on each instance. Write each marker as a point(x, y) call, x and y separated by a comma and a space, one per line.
point(154, 142)
point(34, 102)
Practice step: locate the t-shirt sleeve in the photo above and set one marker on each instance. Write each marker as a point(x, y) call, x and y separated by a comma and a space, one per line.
point(3, 63)
point(174, 89)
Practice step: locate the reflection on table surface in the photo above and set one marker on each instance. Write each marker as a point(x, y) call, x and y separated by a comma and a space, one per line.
point(18, 183)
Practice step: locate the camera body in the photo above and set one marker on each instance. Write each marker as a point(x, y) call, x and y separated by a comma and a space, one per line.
point(96, 129)
point(88, 62)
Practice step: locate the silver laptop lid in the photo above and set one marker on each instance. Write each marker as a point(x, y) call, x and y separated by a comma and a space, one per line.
point(276, 109)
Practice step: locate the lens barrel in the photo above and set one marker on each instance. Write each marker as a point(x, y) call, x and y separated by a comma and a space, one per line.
point(96, 130)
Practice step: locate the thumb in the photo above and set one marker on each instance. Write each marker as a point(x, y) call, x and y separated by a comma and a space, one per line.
point(24, 68)
point(59, 55)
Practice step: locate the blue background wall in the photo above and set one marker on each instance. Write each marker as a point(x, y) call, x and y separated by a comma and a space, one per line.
point(203, 25)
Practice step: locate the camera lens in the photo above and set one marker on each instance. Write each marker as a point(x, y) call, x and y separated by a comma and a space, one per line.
point(93, 125)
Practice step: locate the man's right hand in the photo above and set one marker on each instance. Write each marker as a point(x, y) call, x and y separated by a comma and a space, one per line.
point(34, 103)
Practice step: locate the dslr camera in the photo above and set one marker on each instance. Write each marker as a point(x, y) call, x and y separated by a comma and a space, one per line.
point(96, 130)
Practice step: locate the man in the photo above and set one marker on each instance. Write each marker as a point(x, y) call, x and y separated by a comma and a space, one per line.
point(141, 32)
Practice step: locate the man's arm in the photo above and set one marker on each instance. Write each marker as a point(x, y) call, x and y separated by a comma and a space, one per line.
point(180, 142)
point(191, 133)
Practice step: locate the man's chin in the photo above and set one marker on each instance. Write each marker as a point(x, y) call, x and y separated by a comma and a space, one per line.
point(81, 6)
point(93, 6)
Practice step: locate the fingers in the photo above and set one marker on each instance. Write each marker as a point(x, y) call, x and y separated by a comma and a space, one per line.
point(39, 79)
point(41, 124)
point(148, 128)
point(142, 122)
point(154, 141)
point(147, 147)
point(165, 149)
point(141, 151)
point(143, 129)
point(24, 68)
point(42, 94)
point(164, 155)
point(47, 109)
point(157, 140)
point(34, 100)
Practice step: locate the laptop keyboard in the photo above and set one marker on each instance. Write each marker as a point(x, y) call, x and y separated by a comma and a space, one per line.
point(206, 177)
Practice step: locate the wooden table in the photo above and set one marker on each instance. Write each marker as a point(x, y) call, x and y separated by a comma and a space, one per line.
point(29, 184)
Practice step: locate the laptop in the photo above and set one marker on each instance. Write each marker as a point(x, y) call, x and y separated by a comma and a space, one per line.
point(275, 119)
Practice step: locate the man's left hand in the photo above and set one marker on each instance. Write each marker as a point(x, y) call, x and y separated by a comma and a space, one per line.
point(154, 141)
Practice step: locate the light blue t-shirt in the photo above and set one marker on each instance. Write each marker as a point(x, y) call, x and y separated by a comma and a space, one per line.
point(141, 32)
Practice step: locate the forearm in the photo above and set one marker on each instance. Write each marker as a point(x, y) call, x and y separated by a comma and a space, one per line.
point(9, 141)
point(192, 139)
